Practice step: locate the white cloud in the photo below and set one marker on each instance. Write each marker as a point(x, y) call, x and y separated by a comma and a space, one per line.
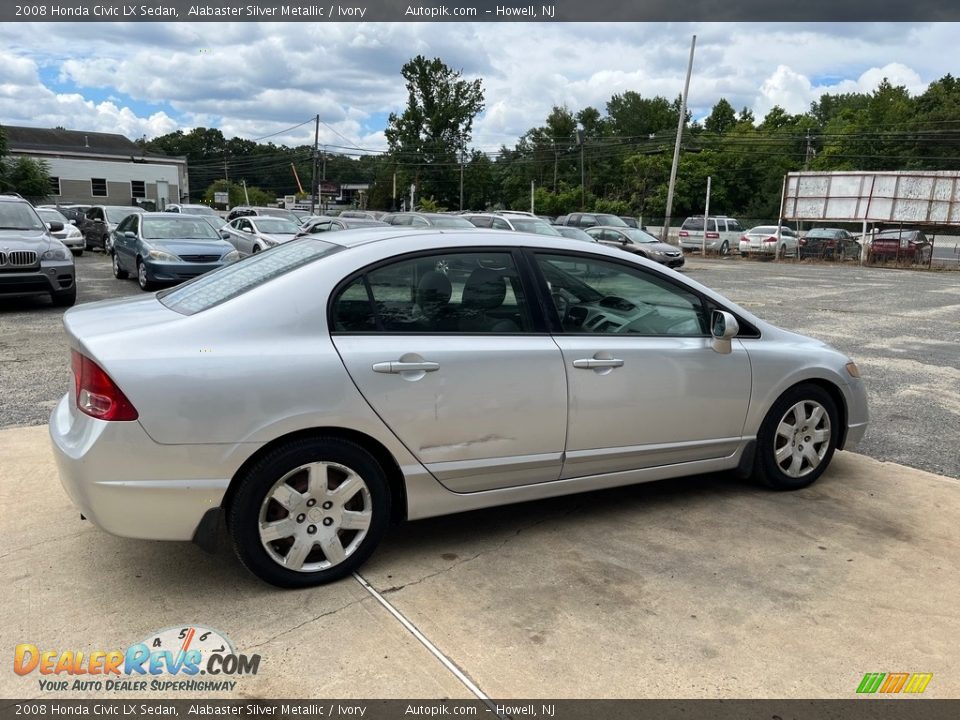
point(256, 79)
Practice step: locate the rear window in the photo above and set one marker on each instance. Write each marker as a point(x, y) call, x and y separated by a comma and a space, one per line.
point(696, 223)
point(234, 280)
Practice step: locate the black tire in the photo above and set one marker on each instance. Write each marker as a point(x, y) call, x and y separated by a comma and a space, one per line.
point(724, 249)
point(65, 298)
point(766, 468)
point(118, 272)
point(265, 476)
point(142, 279)
point(77, 252)
point(256, 249)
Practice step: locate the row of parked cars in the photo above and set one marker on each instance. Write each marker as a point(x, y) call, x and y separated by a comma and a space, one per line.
point(720, 234)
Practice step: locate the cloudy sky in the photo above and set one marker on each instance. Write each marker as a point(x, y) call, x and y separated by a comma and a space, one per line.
point(256, 79)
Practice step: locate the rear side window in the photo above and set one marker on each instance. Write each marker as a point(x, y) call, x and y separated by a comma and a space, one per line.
point(233, 280)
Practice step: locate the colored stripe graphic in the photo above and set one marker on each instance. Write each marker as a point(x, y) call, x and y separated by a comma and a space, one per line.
point(892, 683)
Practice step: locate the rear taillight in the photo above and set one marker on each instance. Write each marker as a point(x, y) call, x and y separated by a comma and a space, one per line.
point(744, 238)
point(771, 239)
point(803, 241)
point(713, 236)
point(684, 233)
point(96, 394)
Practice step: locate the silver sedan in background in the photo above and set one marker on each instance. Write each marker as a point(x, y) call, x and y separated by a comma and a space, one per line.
point(254, 233)
point(552, 367)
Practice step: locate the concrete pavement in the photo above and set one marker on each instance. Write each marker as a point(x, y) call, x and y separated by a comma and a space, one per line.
point(696, 588)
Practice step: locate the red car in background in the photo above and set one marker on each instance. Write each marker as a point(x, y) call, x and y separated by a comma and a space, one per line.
point(900, 245)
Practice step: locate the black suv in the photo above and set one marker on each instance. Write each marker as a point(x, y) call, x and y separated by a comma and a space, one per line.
point(32, 261)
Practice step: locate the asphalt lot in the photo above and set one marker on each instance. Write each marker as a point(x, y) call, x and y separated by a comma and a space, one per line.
point(901, 326)
point(698, 587)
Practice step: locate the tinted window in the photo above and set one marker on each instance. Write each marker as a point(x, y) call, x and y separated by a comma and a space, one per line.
point(230, 281)
point(592, 295)
point(175, 227)
point(447, 293)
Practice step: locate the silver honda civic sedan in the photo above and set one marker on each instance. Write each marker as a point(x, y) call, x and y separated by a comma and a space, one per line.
point(415, 373)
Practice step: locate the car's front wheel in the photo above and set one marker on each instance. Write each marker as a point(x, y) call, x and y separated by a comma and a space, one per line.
point(145, 284)
point(309, 512)
point(797, 438)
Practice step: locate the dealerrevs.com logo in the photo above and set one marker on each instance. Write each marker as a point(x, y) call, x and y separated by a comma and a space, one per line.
point(172, 659)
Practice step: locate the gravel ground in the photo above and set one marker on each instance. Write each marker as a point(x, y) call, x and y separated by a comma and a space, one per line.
point(900, 326)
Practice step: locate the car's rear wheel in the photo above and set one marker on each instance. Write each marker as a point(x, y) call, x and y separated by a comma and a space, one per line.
point(118, 272)
point(142, 279)
point(797, 438)
point(309, 512)
point(725, 249)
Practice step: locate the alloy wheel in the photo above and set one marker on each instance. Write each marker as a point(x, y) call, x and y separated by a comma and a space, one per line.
point(802, 438)
point(315, 516)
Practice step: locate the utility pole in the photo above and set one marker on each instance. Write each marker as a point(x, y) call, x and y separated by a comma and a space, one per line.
point(461, 169)
point(246, 197)
point(810, 153)
point(581, 140)
point(532, 195)
point(226, 175)
point(676, 148)
point(556, 160)
point(314, 191)
point(323, 205)
point(393, 195)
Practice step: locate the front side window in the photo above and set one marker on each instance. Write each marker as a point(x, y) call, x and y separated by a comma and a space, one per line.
point(446, 293)
point(597, 296)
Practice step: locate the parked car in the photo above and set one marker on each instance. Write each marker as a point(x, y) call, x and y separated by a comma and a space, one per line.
point(903, 245)
point(512, 221)
point(75, 214)
point(362, 214)
point(250, 211)
point(333, 224)
point(638, 242)
point(404, 394)
point(586, 220)
point(766, 240)
point(253, 233)
point(100, 221)
point(419, 219)
point(164, 249)
point(191, 209)
point(568, 231)
point(833, 243)
point(32, 260)
point(722, 233)
point(69, 234)
point(632, 222)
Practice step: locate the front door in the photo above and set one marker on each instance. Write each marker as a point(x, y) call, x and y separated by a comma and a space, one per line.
point(447, 357)
point(646, 388)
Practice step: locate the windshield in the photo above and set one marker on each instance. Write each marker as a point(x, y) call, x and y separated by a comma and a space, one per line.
point(51, 215)
point(639, 236)
point(199, 210)
point(178, 227)
point(238, 278)
point(610, 220)
point(450, 221)
point(281, 213)
point(533, 226)
point(117, 215)
point(278, 225)
point(19, 216)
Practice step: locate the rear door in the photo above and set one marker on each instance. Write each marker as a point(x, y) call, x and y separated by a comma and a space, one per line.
point(454, 365)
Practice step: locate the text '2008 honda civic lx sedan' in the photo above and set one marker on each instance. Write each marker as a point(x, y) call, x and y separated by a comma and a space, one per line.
point(415, 373)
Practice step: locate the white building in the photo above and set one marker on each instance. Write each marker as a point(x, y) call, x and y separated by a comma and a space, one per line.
point(100, 168)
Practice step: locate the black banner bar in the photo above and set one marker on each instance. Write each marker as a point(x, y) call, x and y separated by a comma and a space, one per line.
point(898, 708)
point(478, 11)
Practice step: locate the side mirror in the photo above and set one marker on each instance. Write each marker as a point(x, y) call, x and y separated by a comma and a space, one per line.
point(224, 234)
point(723, 327)
point(73, 222)
point(55, 226)
point(130, 234)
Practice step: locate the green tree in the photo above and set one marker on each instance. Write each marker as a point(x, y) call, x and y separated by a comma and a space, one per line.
point(721, 118)
point(435, 127)
point(29, 177)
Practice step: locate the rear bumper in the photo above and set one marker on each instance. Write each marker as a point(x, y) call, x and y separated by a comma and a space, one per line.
point(697, 244)
point(130, 486)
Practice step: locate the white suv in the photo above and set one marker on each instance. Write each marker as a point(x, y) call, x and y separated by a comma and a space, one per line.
point(723, 233)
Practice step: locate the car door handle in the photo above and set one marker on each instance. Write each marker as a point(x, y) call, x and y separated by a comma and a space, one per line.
point(401, 367)
point(594, 363)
